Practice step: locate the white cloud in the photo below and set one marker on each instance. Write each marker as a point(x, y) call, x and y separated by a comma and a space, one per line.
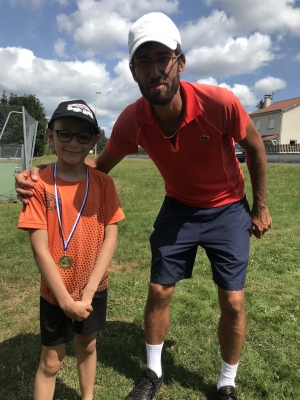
point(297, 58)
point(238, 56)
point(103, 26)
point(242, 92)
point(59, 48)
point(266, 16)
point(217, 28)
point(53, 81)
point(208, 81)
point(269, 85)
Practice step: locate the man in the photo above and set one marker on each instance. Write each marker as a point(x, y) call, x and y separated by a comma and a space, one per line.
point(189, 132)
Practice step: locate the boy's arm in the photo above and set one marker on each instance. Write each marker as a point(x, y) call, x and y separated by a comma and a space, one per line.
point(76, 310)
point(104, 258)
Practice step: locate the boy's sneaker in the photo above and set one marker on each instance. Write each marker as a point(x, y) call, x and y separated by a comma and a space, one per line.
point(148, 386)
point(227, 393)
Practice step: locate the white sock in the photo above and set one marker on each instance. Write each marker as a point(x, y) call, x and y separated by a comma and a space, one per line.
point(228, 374)
point(154, 358)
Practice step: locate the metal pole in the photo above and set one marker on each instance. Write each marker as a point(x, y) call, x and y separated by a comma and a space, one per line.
point(3, 129)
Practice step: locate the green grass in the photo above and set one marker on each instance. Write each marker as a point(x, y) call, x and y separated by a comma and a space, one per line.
point(269, 366)
point(7, 181)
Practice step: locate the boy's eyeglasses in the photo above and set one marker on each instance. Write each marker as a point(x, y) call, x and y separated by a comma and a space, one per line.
point(143, 65)
point(66, 136)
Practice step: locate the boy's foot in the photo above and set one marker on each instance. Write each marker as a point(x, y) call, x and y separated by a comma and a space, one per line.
point(227, 393)
point(148, 386)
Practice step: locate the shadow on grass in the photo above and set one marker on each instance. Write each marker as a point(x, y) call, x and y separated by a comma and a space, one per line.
point(121, 346)
point(19, 359)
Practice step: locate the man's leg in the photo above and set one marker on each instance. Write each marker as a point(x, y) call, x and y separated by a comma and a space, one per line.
point(50, 363)
point(231, 333)
point(157, 321)
point(157, 312)
point(86, 363)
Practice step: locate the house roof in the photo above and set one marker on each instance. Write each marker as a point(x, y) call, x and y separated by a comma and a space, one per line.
point(269, 137)
point(278, 106)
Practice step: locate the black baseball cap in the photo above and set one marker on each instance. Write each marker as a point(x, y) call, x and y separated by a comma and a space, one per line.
point(77, 109)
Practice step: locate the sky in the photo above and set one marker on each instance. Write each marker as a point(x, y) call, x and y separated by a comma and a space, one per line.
point(66, 49)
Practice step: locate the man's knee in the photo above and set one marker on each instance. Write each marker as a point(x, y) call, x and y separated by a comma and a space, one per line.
point(232, 302)
point(160, 295)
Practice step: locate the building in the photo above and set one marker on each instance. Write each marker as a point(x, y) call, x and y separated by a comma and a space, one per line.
point(279, 122)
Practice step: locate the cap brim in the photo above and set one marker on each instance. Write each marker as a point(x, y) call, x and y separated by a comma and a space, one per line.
point(170, 43)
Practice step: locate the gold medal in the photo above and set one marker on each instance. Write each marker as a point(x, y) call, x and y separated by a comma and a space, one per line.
point(65, 262)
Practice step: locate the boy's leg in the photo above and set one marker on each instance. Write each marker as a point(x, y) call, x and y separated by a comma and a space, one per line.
point(50, 363)
point(86, 363)
point(85, 342)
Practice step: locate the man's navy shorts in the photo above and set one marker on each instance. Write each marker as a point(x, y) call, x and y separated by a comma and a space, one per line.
point(57, 328)
point(222, 231)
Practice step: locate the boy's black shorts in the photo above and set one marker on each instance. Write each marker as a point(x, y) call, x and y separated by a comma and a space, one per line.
point(57, 328)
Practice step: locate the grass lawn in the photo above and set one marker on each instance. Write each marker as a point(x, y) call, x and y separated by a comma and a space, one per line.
point(269, 366)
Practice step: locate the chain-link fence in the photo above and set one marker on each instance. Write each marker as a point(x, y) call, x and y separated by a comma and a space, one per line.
point(17, 139)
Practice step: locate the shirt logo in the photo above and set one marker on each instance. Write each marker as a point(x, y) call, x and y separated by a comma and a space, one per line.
point(203, 137)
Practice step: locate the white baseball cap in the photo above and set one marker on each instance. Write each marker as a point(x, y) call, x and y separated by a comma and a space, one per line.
point(153, 27)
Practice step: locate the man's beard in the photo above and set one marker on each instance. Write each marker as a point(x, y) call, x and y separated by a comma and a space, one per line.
point(160, 99)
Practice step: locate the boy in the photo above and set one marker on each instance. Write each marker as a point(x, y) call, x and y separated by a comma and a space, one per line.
point(72, 224)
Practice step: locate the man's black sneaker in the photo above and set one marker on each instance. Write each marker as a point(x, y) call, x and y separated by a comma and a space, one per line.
point(148, 386)
point(227, 393)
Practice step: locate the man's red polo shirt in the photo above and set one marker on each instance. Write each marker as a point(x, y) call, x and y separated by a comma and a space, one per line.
point(201, 170)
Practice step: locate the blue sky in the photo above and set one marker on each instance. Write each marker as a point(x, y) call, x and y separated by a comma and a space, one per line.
point(64, 49)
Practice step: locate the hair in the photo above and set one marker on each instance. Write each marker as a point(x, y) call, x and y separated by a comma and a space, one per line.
point(178, 52)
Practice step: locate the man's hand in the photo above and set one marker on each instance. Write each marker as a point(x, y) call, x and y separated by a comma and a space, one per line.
point(261, 221)
point(78, 310)
point(22, 186)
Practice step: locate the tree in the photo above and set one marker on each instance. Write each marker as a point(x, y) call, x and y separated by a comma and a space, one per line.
point(4, 99)
point(102, 141)
point(36, 109)
point(260, 104)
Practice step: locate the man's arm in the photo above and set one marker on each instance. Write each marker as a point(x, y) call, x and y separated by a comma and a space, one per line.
point(23, 186)
point(104, 258)
point(105, 162)
point(257, 166)
point(76, 310)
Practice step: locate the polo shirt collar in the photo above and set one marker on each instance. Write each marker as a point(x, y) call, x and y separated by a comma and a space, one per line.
point(192, 110)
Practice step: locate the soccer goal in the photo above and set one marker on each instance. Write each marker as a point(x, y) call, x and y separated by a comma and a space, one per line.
point(17, 139)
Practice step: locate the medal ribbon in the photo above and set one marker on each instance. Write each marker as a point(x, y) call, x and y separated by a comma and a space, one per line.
point(58, 207)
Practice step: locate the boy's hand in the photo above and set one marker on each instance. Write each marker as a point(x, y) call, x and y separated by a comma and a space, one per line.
point(78, 310)
point(87, 295)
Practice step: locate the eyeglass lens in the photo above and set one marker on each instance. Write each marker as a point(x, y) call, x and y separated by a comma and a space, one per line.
point(161, 61)
point(66, 136)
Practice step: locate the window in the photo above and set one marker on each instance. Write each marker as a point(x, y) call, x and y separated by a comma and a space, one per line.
point(257, 124)
point(293, 142)
point(271, 123)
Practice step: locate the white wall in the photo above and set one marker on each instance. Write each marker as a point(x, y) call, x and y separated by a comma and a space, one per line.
point(283, 158)
point(291, 125)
